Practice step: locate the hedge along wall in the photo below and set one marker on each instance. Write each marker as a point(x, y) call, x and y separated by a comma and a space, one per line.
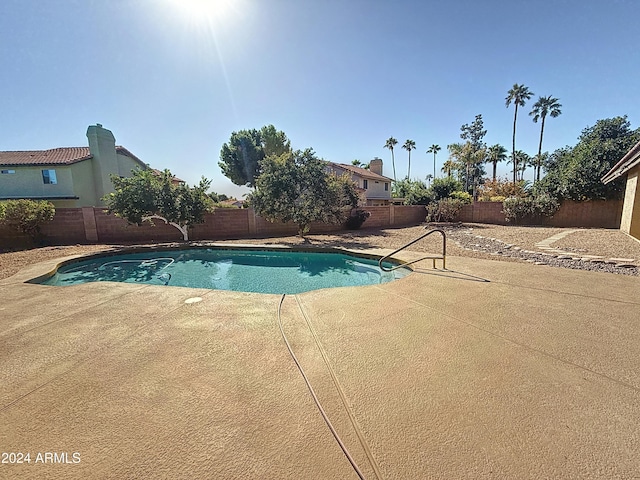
point(94, 225)
point(594, 213)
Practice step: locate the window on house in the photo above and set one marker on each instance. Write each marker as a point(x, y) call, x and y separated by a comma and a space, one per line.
point(49, 177)
point(7, 172)
point(365, 184)
point(386, 187)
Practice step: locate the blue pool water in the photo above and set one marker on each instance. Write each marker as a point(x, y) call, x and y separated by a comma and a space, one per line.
point(259, 271)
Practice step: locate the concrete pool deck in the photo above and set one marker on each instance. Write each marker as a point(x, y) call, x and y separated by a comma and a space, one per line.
point(488, 370)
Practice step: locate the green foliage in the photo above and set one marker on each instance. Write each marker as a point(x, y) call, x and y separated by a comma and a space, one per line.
point(575, 173)
point(445, 210)
point(146, 194)
point(474, 133)
point(444, 187)
point(26, 216)
point(356, 219)
point(464, 197)
point(517, 209)
point(295, 187)
point(414, 192)
point(495, 154)
point(241, 157)
point(468, 159)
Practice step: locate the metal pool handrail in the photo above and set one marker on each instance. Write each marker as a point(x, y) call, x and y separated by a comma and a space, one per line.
point(433, 257)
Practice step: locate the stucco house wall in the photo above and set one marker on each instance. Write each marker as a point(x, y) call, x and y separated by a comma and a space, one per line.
point(28, 181)
point(629, 165)
point(83, 175)
point(630, 222)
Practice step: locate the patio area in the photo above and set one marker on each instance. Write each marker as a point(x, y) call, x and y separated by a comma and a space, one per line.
point(490, 369)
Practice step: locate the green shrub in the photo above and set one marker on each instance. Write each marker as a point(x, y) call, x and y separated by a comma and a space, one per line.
point(26, 216)
point(444, 187)
point(445, 210)
point(545, 205)
point(464, 197)
point(356, 219)
point(517, 209)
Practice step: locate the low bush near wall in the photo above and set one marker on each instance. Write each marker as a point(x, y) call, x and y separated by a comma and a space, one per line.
point(26, 216)
point(517, 209)
point(445, 210)
point(356, 219)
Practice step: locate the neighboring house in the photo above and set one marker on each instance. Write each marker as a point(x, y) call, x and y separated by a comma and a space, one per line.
point(629, 165)
point(68, 176)
point(373, 187)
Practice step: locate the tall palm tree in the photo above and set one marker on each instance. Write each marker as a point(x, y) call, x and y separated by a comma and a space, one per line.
point(543, 107)
point(408, 146)
point(497, 153)
point(434, 149)
point(392, 142)
point(518, 94)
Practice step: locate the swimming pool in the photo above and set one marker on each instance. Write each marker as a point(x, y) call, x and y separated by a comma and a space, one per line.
point(246, 270)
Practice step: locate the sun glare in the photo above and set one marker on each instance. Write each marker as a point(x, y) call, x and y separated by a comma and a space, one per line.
point(204, 9)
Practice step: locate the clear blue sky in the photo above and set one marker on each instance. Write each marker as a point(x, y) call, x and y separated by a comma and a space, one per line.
point(340, 76)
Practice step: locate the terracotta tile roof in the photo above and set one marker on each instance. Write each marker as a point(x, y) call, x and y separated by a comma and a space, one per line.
point(174, 180)
point(54, 156)
point(363, 172)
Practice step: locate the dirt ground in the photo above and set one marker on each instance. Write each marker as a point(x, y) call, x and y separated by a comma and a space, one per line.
point(603, 242)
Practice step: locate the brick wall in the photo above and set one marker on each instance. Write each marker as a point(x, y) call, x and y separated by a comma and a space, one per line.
point(77, 225)
point(600, 214)
point(67, 227)
point(595, 213)
point(94, 225)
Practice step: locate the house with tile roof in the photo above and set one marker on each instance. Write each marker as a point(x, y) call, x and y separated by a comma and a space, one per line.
point(374, 188)
point(67, 176)
point(629, 166)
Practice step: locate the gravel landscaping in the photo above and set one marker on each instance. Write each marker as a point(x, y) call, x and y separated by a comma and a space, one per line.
point(620, 253)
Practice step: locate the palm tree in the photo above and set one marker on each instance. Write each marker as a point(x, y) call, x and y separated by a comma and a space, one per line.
point(392, 142)
point(356, 163)
point(540, 160)
point(497, 153)
point(434, 149)
point(518, 94)
point(543, 107)
point(523, 160)
point(408, 146)
point(448, 166)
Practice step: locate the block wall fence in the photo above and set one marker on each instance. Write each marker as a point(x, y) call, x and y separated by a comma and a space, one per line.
point(590, 214)
point(93, 225)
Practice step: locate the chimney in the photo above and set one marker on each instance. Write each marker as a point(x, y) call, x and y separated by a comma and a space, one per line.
point(375, 166)
point(102, 145)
